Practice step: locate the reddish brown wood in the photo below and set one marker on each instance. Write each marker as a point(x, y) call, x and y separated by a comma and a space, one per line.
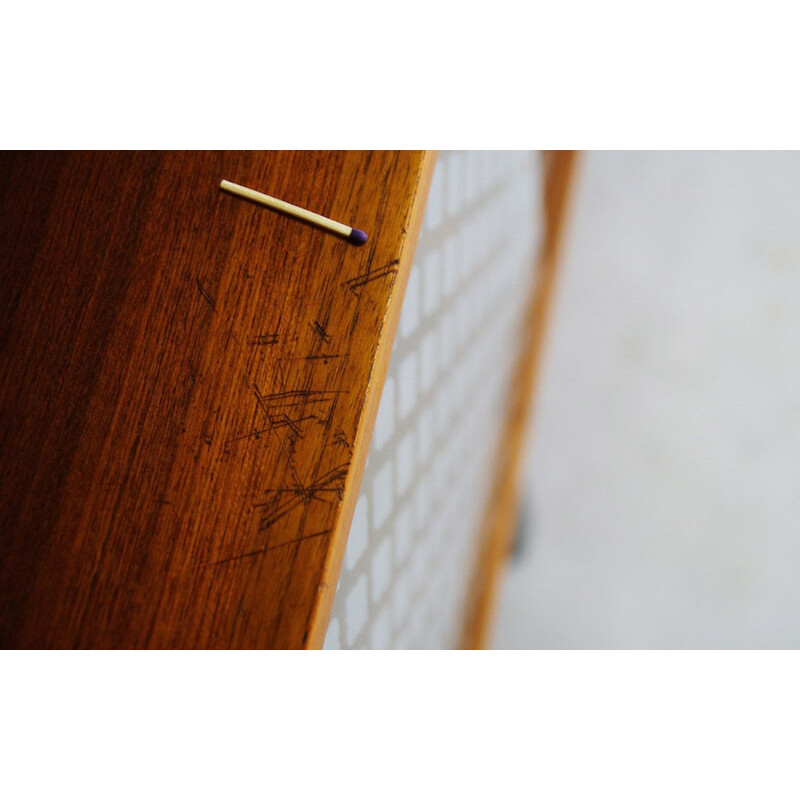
point(184, 375)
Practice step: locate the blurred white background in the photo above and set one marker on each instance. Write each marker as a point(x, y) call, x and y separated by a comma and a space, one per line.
point(664, 480)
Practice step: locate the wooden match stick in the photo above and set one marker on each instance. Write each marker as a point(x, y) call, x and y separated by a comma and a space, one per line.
point(353, 235)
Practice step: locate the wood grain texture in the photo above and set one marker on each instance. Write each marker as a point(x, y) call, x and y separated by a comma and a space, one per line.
point(363, 438)
point(184, 381)
point(502, 510)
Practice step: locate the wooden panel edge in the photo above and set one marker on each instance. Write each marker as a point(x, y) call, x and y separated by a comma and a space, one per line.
point(326, 591)
point(501, 513)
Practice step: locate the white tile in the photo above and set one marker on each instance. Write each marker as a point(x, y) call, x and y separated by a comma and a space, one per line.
point(407, 384)
point(412, 303)
point(384, 423)
point(357, 610)
point(381, 570)
point(405, 463)
point(358, 538)
point(382, 495)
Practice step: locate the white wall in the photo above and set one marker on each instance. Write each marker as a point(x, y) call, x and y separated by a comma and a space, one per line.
point(665, 469)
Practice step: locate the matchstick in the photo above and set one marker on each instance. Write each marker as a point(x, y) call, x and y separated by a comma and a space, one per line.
point(353, 235)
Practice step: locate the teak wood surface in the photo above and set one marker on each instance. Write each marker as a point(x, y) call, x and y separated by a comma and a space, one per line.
point(188, 384)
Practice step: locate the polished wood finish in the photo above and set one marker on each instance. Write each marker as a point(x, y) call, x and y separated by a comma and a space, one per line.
point(502, 510)
point(187, 387)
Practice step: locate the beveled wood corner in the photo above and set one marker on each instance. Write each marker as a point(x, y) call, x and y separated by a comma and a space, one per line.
point(503, 507)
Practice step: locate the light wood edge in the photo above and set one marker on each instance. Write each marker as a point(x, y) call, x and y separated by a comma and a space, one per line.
point(502, 509)
point(327, 588)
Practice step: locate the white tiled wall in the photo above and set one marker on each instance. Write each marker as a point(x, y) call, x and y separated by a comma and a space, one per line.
point(412, 545)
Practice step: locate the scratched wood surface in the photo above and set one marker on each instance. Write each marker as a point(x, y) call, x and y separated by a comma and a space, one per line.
point(183, 377)
point(503, 508)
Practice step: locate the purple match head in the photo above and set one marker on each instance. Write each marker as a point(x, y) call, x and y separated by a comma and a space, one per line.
point(357, 237)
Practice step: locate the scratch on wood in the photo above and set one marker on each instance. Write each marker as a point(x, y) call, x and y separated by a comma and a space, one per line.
point(263, 339)
point(323, 357)
point(275, 508)
point(270, 403)
point(281, 420)
point(206, 296)
point(360, 281)
point(341, 439)
point(261, 400)
point(255, 434)
point(320, 331)
point(304, 393)
point(266, 549)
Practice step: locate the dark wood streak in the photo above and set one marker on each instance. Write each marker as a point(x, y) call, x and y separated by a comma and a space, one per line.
point(134, 450)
